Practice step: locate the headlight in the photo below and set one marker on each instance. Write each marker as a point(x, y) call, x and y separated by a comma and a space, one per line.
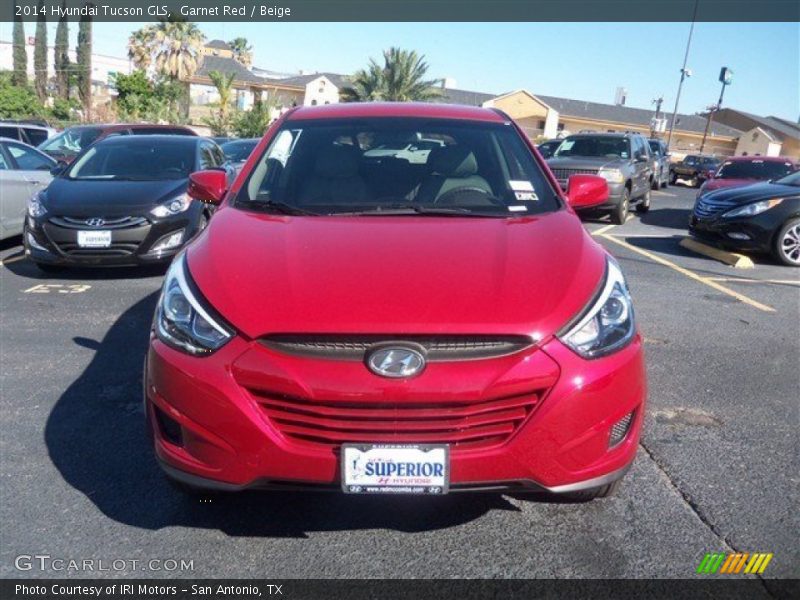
point(750, 210)
point(173, 207)
point(181, 319)
point(35, 207)
point(608, 324)
point(611, 175)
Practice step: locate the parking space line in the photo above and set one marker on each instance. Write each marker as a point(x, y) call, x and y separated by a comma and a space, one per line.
point(12, 259)
point(603, 229)
point(692, 275)
point(745, 280)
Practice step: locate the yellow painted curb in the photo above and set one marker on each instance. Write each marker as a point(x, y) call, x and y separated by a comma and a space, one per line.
point(737, 261)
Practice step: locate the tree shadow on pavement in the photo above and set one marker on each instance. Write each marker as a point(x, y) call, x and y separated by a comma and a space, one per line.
point(97, 439)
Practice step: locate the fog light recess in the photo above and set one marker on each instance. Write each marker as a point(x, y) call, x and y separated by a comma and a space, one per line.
point(169, 427)
point(620, 430)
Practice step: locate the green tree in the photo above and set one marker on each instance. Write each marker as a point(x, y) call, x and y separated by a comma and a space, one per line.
point(61, 56)
point(40, 54)
point(254, 122)
point(20, 56)
point(135, 94)
point(83, 59)
point(220, 122)
point(401, 78)
point(17, 101)
point(242, 51)
point(173, 46)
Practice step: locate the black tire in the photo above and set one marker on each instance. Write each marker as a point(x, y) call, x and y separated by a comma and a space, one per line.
point(786, 246)
point(49, 269)
point(665, 183)
point(673, 179)
point(600, 492)
point(695, 182)
point(654, 185)
point(620, 212)
point(643, 205)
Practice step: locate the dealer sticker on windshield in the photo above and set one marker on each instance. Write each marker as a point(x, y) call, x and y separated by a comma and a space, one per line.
point(393, 469)
point(523, 190)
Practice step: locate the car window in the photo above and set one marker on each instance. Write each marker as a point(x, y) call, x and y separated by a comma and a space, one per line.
point(239, 150)
point(70, 142)
point(4, 166)
point(28, 159)
point(208, 159)
point(655, 148)
point(9, 132)
point(599, 146)
point(140, 161)
point(219, 155)
point(159, 131)
point(755, 169)
point(331, 166)
point(35, 136)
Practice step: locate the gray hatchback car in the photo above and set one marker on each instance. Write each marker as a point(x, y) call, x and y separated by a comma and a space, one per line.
point(623, 159)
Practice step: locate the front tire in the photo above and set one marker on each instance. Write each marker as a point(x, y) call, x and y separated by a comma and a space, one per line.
point(620, 213)
point(786, 247)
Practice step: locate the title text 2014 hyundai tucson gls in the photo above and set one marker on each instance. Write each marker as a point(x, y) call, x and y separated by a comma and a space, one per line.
point(376, 324)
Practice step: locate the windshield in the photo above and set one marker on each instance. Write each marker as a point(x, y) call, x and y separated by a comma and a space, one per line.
point(142, 160)
point(331, 167)
point(793, 179)
point(70, 142)
point(754, 169)
point(239, 150)
point(690, 160)
point(594, 147)
point(655, 147)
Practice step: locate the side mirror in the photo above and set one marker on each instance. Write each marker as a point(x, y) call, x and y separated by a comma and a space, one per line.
point(208, 186)
point(586, 191)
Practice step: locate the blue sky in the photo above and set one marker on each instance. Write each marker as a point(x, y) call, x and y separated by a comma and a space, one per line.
point(575, 60)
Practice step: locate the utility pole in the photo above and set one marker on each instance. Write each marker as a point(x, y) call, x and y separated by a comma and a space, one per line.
point(726, 77)
point(654, 124)
point(684, 74)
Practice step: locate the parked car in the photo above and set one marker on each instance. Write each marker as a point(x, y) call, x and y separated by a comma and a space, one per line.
point(23, 172)
point(395, 327)
point(122, 201)
point(548, 148)
point(238, 151)
point(660, 153)
point(761, 217)
point(27, 133)
point(222, 139)
point(65, 146)
point(743, 170)
point(413, 151)
point(622, 159)
point(694, 168)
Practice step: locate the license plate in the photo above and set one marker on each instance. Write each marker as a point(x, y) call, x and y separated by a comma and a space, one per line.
point(94, 239)
point(395, 469)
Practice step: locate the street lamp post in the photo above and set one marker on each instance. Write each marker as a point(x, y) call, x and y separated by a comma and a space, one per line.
point(684, 74)
point(726, 77)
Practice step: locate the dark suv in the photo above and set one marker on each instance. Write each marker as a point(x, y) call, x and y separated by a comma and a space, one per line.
point(622, 159)
point(694, 168)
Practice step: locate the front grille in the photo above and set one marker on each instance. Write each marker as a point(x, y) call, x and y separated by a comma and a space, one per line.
point(107, 223)
point(463, 425)
point(706, 208)
point(565, 174)
point(437, 348)
point(118, 249)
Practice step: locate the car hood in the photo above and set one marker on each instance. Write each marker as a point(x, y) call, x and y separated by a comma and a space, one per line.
point(396, 275)
point(109, 198)
point(752, 193)
point(584, 162)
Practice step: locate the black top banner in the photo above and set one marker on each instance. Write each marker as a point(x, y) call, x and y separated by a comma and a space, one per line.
point(406, 10)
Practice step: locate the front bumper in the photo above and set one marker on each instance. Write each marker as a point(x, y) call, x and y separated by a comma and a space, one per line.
point(730, 232)
point(51, 243)
point(228, 442)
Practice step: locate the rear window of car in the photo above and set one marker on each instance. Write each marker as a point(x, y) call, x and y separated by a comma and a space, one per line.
point(755, 169)
point(9, 132)
point(141, 161)
point(35, 136)
point(343, 166)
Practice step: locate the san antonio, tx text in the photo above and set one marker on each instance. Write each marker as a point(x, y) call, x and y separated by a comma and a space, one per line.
point(129, 589)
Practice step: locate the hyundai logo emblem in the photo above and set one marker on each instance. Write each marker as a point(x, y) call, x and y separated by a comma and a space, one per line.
point(395, 362)
point(95, 222)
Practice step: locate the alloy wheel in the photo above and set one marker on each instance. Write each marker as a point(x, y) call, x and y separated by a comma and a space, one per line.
point(790, 244)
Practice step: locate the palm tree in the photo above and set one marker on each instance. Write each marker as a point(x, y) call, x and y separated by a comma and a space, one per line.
point(242, 51)
point(400, 79)
point(174, 47)
point(224, 84)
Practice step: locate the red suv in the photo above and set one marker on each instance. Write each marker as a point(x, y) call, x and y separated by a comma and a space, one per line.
point(376, 324)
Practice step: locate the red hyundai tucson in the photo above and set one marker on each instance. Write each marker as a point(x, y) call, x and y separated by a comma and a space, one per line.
point(428, 319)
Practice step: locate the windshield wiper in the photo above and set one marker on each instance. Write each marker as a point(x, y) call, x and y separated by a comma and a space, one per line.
point(280, 207)
point(416, 209)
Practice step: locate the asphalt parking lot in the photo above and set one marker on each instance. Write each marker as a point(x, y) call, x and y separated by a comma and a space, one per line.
point(717, 469)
